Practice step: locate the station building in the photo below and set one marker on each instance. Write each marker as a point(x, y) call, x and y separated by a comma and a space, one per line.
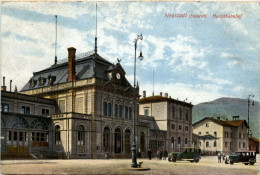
point(217, 135)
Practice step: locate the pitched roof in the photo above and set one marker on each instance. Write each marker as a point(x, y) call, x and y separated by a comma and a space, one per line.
point(84, 66)
point(233, 123)
point(254, 139)
point(159, 98)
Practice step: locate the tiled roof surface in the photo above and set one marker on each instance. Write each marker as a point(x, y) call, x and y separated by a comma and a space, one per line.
point(233, 123)
point(159, 98)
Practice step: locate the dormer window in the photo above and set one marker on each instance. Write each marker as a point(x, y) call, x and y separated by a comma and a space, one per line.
point(51, 79)
point(42, 81)
point(32, 82)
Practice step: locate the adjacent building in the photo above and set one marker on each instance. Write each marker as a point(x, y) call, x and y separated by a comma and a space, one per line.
point(216, 135)
point(170, 122)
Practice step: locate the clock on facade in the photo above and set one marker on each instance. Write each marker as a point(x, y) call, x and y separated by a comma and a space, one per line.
point(118, 76)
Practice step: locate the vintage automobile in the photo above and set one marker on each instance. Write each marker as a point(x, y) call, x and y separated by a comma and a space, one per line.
point(189, 154)
point(245, 157)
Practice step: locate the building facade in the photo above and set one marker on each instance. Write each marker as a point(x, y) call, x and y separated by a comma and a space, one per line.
point(216, 135)
point(25, 124)
point(94, 111)
point(171, 128)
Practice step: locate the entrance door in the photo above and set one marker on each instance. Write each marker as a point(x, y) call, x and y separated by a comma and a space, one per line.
point(142, 142)
point(117, 140)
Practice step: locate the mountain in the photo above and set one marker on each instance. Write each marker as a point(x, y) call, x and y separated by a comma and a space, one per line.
point(228, 107)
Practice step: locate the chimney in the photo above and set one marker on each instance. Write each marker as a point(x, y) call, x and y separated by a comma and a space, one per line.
point(11, 85)
point(166, 95)
point(3, 88)
point(160, 93)
point(144, 94)
point(71, 63)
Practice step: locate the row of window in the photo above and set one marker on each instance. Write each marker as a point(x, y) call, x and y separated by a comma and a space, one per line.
point(180, 127)
point(118, 110)
point(207, 132)
point(23, 136)
point(180, 114)
point(208, 144)
point(24, 110)
point(179, 142)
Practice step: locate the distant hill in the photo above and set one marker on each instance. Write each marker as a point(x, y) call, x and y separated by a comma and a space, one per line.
point(228, 107)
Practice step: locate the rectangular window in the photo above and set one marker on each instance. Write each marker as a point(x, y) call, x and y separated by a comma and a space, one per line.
point(173, 113)
point(146, 112)
point(227, 134)
point(4, 107)
point(215, 144)
point(186, 128)
point(180, 114)
point(43, 112)
point(240, 135)
point(207, 144)
point(179, 127)
point(23, 110)
point(244, 144)
point(27, 112)
point(47, 112)
point(187, 116)
point(9, 135)
point(20, 136)
point(15, 136)
point(42, 137)
point(173, 126)
point(33, 136)
point(239, 145)
point(37, 136)
point(226, 144)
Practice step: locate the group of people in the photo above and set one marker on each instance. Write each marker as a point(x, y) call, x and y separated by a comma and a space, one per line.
point(221, 156)
point(161, 154)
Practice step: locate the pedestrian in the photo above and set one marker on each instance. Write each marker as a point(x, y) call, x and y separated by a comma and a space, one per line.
point(158, 154)
point(219, 158)
point(149, 154)
point(224, 156)
point(161, 154)
point(139, 153)
point(165, 154)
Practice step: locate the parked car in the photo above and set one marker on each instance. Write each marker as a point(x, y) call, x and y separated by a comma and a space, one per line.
point(189, 154)
point(245, 157)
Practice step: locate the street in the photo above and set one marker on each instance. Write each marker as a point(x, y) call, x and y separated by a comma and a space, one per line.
point(206, 166)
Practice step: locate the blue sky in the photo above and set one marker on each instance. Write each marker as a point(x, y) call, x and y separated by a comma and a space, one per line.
point(197, 59)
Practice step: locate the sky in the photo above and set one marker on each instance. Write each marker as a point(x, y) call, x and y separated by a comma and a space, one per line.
point(198, 59)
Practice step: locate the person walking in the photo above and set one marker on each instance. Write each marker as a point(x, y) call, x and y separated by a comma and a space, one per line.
point(165, 154)
point(149, 154)
point(161, 154)
point(219, 157)
point(224, 156)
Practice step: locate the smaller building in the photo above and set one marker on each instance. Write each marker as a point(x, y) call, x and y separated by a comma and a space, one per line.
point(216, 135)
point(254, 144)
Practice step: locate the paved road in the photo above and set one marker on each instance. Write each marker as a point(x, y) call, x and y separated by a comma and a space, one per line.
point(206, 166)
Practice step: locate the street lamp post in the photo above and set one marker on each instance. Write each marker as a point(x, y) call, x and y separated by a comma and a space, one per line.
point(134, 163)
point(248, 104)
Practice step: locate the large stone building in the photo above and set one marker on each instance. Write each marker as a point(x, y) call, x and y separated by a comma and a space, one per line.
point(171, 122)
point(95, 105)
point(216, 135)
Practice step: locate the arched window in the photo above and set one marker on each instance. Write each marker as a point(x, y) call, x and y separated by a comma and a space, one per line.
point(57, 135)
point(120, 111)
point(106, 138)
point(81, 135)
point(126, 112)
point(109, 110)
point(130, 113)
point(116, 110)
point(179, 142)
point(186, 141)
point(172, 141)
point(105, 108)
point(118, 144)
